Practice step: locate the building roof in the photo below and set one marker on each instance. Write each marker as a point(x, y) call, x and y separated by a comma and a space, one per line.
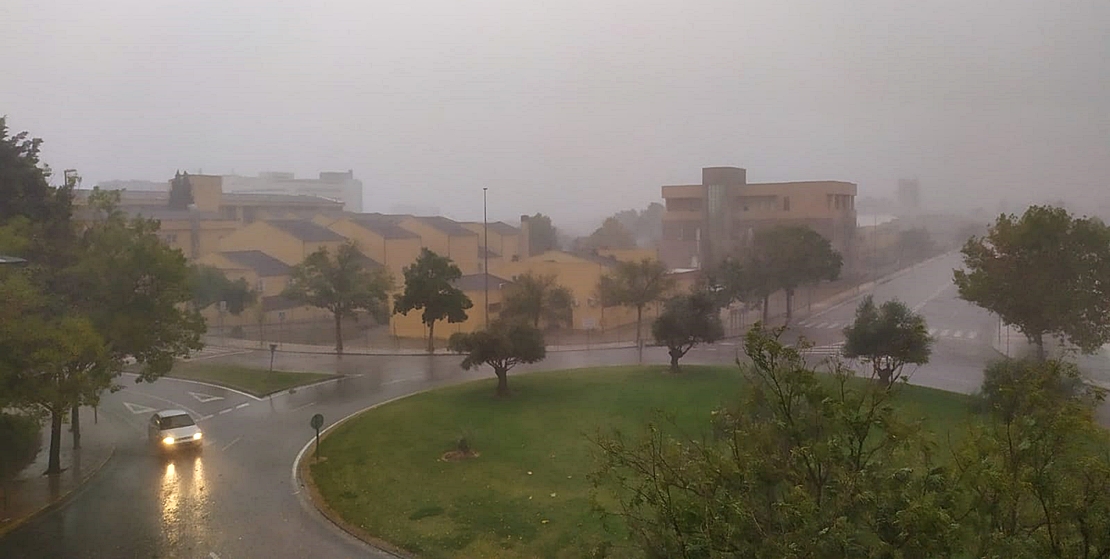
point(261, 263)
point(503, 229)
point(306, 231)
point(447, 226)
point(275, 199)
point(477, 282)
point(369, 263)
point(595, 258)
point(384, 226)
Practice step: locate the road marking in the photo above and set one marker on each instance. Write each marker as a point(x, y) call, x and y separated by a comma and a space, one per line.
point(228, 410)
point(972, 335)
point(205, 398)
point(936, 294)
point(944, 333)
point(833, 325)
point(302, 406)
point(243, 405)
point(160, 399)
point(958, 333)
point(209, 416)
point(228, 445)
point(137, 409)
point(395, 381)
point(213, 555)
point(823, 324)
point(932, 332)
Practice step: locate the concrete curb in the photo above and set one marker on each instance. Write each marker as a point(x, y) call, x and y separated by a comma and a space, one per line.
point(61, 499)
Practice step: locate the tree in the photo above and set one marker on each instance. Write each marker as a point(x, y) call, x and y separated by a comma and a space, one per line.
point(801, 466)
point(888, 337)
point(504, 345)
point(915, 245)
point(611, 235)
point(645, 225)
point(542, 235)
point(428, 287)
point(790, 256)
point(743, 281)
point(1043, 273)
point(341, 284)
point(210, 286)
point(1035, 472)
point(23, 183)
point(636, 284)
point(538, 297)
point(687, 320)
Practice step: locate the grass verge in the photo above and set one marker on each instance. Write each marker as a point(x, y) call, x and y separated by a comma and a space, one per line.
point(259, 382)
point(527, 493)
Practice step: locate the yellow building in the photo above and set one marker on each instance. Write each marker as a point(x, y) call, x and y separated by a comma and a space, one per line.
point(266, 275)
point(445, 237)
point(380, 238)
point(474, 286)
point(705, 222)
point(290, 241)
point(504, 241)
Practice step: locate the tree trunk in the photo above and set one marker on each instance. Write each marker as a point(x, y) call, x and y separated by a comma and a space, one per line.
point(502, 381)
point(675, 356)
point(789, 305)
point(639, 316)
point(766, 304)
point(1039, 340)
point(54, 466)
point(75, 425)
point(338, 334)
point(431, 337)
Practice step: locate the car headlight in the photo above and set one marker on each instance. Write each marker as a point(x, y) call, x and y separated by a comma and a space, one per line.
point(167, 440)
point(196, 436)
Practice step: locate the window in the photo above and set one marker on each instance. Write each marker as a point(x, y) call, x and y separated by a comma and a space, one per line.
point(785, 203)
point(175, 421)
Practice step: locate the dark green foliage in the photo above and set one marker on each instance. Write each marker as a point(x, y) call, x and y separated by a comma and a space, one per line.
point(887, 337)
point(788, 257)
point(19, 437)
point(534, 298)
point(429, 287)
point(210, 285)
point(1045, 273)
point(636, 284)
point(504, 345)
point(542, 235)
point(341, 284)
point(611, 235)
point(687, 320)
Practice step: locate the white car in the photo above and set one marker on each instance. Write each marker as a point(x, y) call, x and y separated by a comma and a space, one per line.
point(173, 429)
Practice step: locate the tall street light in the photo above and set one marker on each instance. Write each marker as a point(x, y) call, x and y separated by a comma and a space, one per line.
point(485, 250)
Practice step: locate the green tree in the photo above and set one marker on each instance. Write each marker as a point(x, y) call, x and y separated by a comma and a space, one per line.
point(542, 235)
point(341, 284)
point(743, 281)
point(788, 257)
point(429, 287)
point(210, 286)
point(802, 466)
point(23, 183)
point(888, 337)
point(533, 298)
point(1036, 472)
point(1045, 274)
point(915, 245)
point(504, 345)
point(636, 284)
point(612, 235)
point(686, 321)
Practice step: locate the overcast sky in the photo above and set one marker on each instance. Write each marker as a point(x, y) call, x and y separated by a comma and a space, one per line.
point(575, 108)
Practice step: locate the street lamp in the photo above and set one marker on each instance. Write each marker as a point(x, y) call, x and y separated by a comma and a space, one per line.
point(485, 250)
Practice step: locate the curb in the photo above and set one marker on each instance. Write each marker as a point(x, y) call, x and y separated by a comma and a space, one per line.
point(60, 500)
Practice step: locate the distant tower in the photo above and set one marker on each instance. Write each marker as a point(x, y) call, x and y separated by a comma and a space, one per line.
point(909, 196)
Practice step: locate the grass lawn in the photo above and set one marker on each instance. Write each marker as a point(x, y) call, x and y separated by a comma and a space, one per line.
point(259, 382)
point(527, 493)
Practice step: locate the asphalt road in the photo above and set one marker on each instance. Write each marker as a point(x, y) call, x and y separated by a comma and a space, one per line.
point(236, 498)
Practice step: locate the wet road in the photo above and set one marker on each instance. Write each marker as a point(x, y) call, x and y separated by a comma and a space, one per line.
point(236, 498)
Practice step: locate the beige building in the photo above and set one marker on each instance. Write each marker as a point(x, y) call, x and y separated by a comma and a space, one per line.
point(706, 222)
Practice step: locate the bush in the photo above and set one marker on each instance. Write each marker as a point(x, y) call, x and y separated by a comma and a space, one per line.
point(1008, 383)
point(19, 437)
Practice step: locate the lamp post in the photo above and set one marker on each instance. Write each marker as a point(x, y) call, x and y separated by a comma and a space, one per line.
point(485, 250)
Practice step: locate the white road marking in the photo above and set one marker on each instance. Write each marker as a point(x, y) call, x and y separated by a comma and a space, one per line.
point(936, 294)
point(833, 325)
point(213, 555)
point(228, 445)
point(243, 405)
point(301, 407)
point(944, 333)
point(209, 416)
point(932, 332)
point(228, 410)
point(823, 324)
point(214, 353)
point(972, 335)
point(160, 399)
point(205, 398)
point(958, 333)
point(137, 409)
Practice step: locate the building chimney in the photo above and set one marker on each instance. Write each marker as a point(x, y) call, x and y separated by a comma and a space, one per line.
point(525, 237)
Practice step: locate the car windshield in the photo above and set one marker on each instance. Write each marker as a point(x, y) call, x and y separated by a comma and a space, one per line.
point(175, 421)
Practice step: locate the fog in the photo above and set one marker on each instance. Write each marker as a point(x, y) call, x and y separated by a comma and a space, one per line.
point(576, 108)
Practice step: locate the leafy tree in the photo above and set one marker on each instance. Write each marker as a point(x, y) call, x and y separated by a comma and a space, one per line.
point(23, 183)
point(645, 225)
point(210, 285)
point(744, 281)
point(686, 321)
point(1045, 274)
point(888, 337)
point(538, 297)
point(636, 284)
point(612, 235)
point(542, 235)
point(341, 284)
point(915, 245)
point(504, 345)
point(791, 256)
point(1036, 472)
point(802, 466)
point(429, 287)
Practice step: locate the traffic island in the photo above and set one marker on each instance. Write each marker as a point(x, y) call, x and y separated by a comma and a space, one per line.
point(257, 382)
point(525, 491)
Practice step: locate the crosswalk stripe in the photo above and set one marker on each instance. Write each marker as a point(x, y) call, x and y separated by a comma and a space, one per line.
point(822, 325)
point(972, 335)
point(943, 333)
point(932, 331)
point(958, 333)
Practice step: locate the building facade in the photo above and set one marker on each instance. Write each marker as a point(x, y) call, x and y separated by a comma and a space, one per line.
point(704, 223)
point(340, 186)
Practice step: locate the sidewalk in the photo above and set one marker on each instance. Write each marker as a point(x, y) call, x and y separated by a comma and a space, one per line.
point(32, 493)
